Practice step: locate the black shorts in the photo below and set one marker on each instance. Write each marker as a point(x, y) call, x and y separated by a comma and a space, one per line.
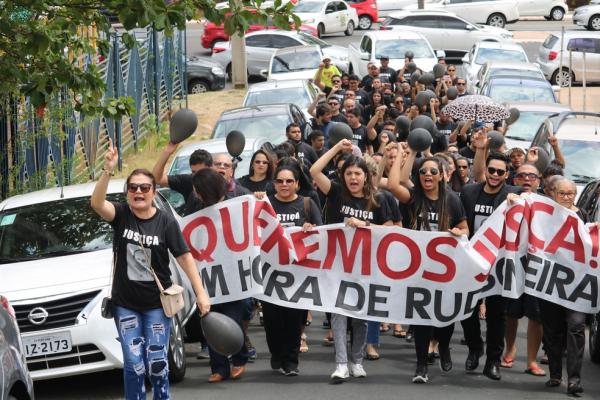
point(525, 306)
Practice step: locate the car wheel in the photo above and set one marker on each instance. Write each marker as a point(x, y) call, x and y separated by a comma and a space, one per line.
point(563, 78)
point(498, 20)
point(364, 22)
point(557, 14)
point(176, 356)
point(228, 72)
point(594, 23)
point(198, 86)
point(320, 30)
point(349, 29)
point(594, 339)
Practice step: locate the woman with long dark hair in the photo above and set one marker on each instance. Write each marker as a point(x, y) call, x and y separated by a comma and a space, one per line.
point(142, 325)
point(376, 100)
point(354, 201)
point(431, 207)
point(462, 175)
point(260, 172)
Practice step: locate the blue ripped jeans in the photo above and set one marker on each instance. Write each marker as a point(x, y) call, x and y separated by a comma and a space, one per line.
point(144, 338)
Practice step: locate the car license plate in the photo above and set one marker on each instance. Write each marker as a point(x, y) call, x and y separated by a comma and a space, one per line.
point(51, 343)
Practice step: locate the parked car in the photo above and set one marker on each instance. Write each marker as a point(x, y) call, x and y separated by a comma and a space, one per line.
point(483, 52)
point(393, 44)
point(56, 256)
point(588, 16)
point(445, 30)
point(490, 12)
point(301, 92)
point(15, 381)
point(531, 116)
point(331, 16)
point(512, 89)
point(578, 140)
point(549, 58)
point(203, 75)
point(261, 45)
point(367, 13)
point(493, 69)
point(268, 121)
point(299, 62)
point(554, 10)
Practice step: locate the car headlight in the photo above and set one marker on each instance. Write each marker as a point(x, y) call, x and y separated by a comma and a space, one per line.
point(582, 12)
point(309, 21)
point(217, 71)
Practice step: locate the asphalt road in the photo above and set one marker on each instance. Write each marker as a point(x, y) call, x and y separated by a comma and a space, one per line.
point(388, 378)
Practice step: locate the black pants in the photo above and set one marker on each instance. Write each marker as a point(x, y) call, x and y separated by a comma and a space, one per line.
point(495, 320)
point(563, 325)
point(219, 364)
point(283, 327)
point(423, 335)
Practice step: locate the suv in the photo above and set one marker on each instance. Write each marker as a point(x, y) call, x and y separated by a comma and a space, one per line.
point(490, 12)
point(445, 30)
point(588, 16)
point(366, 11)
point(549, 58)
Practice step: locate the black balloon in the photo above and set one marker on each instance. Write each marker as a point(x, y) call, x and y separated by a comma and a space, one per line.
point(495, 140)
point(427, 78)
point(419, 139)
point(235, 142)
point(339, 131)
point(422, 121)
point(452, 93)
point(543, 159)
point(409, 54)
point(439, 70)
point(411, 67)
point(414, 78)
point(514, 115)
point(422, 98)
point(222, 333)
point(402, 127)
point(183, 123)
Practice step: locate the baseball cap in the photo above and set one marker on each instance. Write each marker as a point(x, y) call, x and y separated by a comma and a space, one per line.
point(478, 125)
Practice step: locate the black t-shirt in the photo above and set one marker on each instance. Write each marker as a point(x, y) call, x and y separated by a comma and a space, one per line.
point(134, 286)
point(484, 207)
point(360, 137)
point(291, 213)
point(393, 204)
point(253, 186)
point(183, 184)
point(387, 75)
point(340, 208)
point(446, 129)
point(339, 118)
point(468, 153)
point(339, 95)
point(304, 151)
point(456, 212)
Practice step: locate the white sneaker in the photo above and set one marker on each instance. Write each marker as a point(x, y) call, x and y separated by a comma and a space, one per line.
point(340, 373)
point(357, 371)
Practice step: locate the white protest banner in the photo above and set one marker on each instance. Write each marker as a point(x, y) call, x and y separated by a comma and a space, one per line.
point(394, 274)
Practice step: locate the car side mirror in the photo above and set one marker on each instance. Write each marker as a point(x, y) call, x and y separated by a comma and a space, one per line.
point(469, 27)
point(476, 83)
point(329, 11)
point(465, 58)
point(264, 73)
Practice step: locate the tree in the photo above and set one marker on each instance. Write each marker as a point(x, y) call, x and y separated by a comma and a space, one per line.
point(44, 45)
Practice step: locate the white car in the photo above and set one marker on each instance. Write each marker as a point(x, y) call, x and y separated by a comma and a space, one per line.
point(554, 10)
point(445, 30)
point(394, 45)
point(301, 92)
point(483, 52)
point(329, 16)
point(387, 7)
point(299, 62)
point(57, 263)
point(588, 16)
point(493, 69)
point(490, 12)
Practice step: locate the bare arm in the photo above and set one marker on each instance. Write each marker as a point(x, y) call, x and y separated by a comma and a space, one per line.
point(313, 106)
point(318, 77)
point(558, 154)
point(316, 171)
point(480, 142)
point(98, 201)
point(159, 167)
point(397, 176)
point(371, 132)
point(186, 262)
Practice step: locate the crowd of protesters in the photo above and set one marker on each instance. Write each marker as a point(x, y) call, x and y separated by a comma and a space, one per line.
point(375, 178)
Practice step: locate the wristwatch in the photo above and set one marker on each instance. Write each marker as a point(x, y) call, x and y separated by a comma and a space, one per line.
point(107, 172)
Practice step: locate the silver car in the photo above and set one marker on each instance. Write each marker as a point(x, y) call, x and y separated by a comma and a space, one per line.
point(261, 45)
point(484, 51)
point(549, 57)
point(493, 69)
point(301, 92)
point(588, 16)
point(15, 381)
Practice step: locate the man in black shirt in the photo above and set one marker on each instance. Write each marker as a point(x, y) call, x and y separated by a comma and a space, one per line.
point(361, 136)
point(303, 150)
point(386, 73)
point(335, 105)
point(480, 200)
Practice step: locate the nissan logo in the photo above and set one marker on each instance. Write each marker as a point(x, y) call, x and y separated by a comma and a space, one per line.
point(37, 316)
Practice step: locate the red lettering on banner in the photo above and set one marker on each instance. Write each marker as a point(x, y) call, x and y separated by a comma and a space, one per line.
point(361, 237)
point(530, 214)
point(576, 247)
point(302, 251)
point(382, 250)
point(512, 224)
point(594, 237)
point(227, 228)
point(278, 238)
point(211, 234)
point(485, 252)
point(258, 221)
point(435, 255)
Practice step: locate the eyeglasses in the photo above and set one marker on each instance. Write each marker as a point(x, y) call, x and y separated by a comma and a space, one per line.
point(451, 69)
point(334, 103)
point(336, 81)
point(144, 187)
point(499, 172)
point(462, 166)
point(286, 181)
point(432, 171)
point(566, 194)
point(261, 162)
point(460, 83)
point(222, 165)
point(526, 175)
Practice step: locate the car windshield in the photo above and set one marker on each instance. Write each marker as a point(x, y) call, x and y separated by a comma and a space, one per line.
point(295, 95)
point(582, 163)
point(395, 49)
point(271, 127)
point(295, 61)
point(484, 55)
point(309, 39)
point(522, 93)
point(308, 7)
point(524, 73)
point(525, 127)
point(53, 229)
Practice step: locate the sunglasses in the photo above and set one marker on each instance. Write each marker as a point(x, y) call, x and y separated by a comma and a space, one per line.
point(336, 81)
point(286, 181)
point(222, 165)
point(261, 162)
point(527, 175)
point(144, 187)
point(496, 171)
point(399, 102)
point(462, 166)
point(334, 103)
point(451, 70)
point(432, 171)
point(460, 83)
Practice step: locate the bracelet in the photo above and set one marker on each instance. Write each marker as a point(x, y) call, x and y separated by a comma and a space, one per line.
point(107, 172)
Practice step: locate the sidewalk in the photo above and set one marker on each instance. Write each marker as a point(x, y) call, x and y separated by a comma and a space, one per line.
point(592, 98)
